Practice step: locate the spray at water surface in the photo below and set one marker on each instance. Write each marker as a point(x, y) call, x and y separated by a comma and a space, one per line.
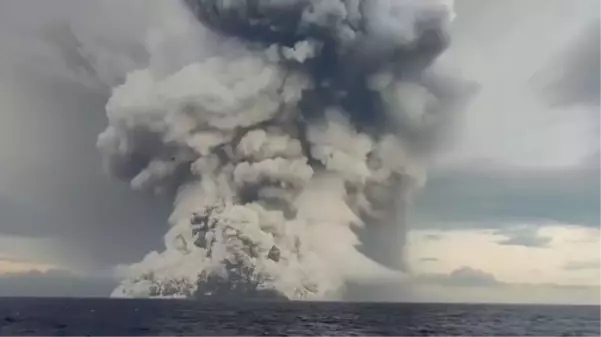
point(292, 134)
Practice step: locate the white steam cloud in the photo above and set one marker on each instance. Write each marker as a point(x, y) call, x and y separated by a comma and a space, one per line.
point(292, 134)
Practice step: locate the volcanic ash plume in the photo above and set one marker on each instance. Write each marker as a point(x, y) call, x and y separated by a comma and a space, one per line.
point(292, 139)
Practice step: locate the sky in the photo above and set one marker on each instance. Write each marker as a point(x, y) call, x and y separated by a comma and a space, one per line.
point(510, 211)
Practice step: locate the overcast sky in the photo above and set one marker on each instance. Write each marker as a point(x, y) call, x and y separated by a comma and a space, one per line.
point(509, 213)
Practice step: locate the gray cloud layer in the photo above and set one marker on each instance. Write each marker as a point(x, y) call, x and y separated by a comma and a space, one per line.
point(481, 197)
point(62, 192)
point(461, 277)
point(56, 283)
point(580, 265)
point(523, 236)
point(52, 183)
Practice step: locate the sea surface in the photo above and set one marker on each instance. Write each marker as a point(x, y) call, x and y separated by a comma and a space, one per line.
point(36, 316)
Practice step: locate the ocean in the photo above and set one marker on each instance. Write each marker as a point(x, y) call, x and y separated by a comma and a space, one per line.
point(42, 316)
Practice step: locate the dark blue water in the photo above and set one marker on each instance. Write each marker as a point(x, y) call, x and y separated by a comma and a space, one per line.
point(175, 317)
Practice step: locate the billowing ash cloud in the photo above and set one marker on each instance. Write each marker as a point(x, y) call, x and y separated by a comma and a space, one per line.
point(292, 133)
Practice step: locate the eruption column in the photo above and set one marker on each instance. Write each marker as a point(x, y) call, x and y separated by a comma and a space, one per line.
point(292, 144)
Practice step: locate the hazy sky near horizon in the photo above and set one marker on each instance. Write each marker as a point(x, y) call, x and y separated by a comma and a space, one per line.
point(509, 213)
